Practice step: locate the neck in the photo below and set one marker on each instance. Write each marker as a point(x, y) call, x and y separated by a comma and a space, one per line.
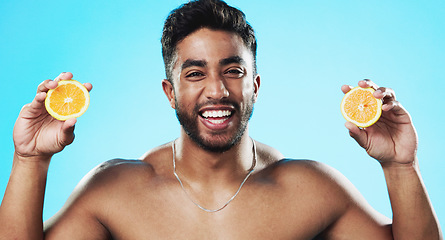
point(215, 195)
point(206, 167)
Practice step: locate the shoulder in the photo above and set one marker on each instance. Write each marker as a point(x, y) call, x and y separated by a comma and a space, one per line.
point(298, 172)
point(307, 168)
point(150, 165)
point(116, 170)
point(97, 193)
point(267, 154)
point(109, 177)
point(301, 170)
point(324, 190)
point(312, 180)
point(156, 163)
point(289, 168)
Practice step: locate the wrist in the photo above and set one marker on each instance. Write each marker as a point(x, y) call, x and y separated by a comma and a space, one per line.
point(35, 162)
point(398, 165)
point(396, 169)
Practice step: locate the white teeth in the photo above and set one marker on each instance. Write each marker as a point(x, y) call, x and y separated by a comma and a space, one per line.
point(216, 121)
point(216, 114)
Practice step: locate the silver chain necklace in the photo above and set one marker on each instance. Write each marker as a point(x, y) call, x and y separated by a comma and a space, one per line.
point(233, 197)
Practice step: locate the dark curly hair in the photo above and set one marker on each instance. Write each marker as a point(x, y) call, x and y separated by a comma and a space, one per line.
point(194, 15)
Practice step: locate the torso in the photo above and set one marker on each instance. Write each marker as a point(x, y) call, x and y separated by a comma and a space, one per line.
point(145, 201)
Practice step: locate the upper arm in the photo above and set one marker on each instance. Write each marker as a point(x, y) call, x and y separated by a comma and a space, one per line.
point(359, 223)
point(345, 212)
point(75, 222)
point(80, 217)
point(356, 219)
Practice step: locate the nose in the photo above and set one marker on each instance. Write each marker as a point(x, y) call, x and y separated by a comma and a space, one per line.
point(216, 88)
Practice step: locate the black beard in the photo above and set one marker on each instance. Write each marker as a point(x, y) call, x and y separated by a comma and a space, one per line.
point(189, 123)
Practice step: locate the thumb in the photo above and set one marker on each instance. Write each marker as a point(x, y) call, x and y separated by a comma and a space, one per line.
point(67, 133)
point(358, 134)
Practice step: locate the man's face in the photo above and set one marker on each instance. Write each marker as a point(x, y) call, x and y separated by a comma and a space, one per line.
point(214, 88)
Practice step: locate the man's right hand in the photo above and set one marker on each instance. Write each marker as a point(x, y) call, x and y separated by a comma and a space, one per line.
point(38, 134)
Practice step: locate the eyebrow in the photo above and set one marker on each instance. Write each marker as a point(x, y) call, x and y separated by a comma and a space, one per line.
point(232, 59)
point(193, 63)
point(202, 63)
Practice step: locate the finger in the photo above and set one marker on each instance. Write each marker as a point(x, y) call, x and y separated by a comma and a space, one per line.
point(46, 85)
point(89, 86)
point(385, 93)
point(64, 76)
point(394, 106)
point(389, 106)
point(36, 106)
point(366, 83)
point(67, 135)
point(358, 134)
point(346, 88)
point(68, 125)
point(38, 102)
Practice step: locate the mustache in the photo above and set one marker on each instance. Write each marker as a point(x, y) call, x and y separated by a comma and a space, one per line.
point(226, 102)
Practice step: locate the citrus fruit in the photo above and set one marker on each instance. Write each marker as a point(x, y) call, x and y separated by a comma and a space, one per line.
point(70, 99)
point(360, 107)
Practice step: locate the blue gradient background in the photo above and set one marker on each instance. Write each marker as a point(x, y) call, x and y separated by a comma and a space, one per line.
point(307, 50)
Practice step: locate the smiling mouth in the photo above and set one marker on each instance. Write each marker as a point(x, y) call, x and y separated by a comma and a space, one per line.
point(216, 116)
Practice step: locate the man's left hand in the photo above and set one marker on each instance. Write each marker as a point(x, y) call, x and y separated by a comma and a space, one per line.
point(392, 139)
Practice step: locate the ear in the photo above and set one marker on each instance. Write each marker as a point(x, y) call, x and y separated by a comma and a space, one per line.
point(256, 86)
point(169, 92)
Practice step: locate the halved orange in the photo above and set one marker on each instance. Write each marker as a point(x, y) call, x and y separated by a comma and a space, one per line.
point(360, 107)
point(69, 100)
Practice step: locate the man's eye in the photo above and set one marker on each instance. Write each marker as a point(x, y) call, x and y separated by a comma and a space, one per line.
point(234, 73)
point(194, 74)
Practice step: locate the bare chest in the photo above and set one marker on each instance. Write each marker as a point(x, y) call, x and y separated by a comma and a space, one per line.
point(258, 212)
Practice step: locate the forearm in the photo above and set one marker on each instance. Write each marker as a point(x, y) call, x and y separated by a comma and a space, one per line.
point(413, 214)
point(22, 205)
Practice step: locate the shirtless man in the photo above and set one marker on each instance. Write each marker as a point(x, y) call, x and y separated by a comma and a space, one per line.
point(214, 181)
